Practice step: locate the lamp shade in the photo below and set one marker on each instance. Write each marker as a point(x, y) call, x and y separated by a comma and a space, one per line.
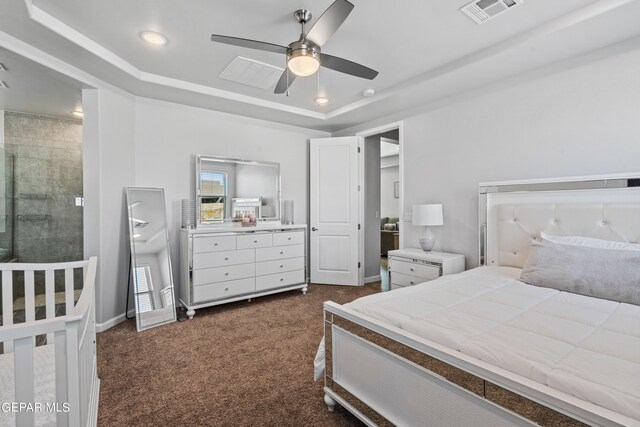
point(427, 214)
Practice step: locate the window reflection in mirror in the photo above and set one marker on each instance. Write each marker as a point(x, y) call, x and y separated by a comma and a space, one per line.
point(214, 196)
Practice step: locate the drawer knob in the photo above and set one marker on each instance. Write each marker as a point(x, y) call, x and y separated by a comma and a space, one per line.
point(226, 289)
point(411, 269)
point(282, 266)
point(255, 241)
point(289, 238)
point(215, 244)
point(281, 279)
point(412, 282)
point(226, 274)
point(281, 252)
point(226, 258)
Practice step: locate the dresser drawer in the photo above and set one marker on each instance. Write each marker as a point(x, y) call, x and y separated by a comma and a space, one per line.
point(223, 290)
point(427, 272)
point(279, 252)
point(273, 281)
point(223, 274)
point(401, 279)
point(219, 259)
point(250, 241)
point(288, 238)
point(203, 244)
point(279, 266)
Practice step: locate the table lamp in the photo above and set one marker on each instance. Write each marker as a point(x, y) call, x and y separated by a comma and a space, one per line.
point(427, 215)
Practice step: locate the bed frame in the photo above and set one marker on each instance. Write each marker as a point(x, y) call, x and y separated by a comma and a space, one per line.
point(387, 376)
point(73, 335)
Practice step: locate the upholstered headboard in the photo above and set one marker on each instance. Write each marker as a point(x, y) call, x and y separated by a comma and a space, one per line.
point(513, 218)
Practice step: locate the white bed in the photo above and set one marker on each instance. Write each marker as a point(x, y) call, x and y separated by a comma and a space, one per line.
point(56, 383)
point(478, 347)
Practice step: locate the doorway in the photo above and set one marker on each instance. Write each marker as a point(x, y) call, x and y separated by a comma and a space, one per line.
point(381, 200)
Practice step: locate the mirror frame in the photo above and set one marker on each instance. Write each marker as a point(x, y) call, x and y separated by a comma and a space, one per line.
point(134, 263)
point(202, 157)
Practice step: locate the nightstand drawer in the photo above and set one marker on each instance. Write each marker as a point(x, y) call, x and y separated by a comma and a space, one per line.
point(401, 279)
point(426, 272)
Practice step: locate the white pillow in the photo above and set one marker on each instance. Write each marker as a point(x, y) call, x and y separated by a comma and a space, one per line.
point(589, 242)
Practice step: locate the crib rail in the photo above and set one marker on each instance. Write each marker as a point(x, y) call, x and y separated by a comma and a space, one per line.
point(73, 337)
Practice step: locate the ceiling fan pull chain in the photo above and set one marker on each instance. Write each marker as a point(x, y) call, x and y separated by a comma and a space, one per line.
point(286, 70)
point(318, 94)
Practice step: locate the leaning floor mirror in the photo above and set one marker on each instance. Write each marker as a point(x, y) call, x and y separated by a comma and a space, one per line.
point(150, 257)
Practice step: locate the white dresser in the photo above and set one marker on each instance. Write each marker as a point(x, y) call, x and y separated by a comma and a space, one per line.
point(227, 263)
point(408, 267)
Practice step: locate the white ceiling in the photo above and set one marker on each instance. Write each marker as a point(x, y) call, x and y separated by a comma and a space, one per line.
point(425, 51)
point(35, 89)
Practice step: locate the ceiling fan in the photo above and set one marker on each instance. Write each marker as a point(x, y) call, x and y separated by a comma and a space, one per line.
point(304, 55)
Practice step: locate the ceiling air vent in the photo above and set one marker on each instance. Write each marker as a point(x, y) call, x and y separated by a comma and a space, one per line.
point(483, 10)
point(252, 73)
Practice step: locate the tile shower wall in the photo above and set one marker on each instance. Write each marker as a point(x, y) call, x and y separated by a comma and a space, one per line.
point(48, 177)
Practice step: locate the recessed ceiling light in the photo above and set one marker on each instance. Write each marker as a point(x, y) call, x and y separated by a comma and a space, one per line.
point(153, 38)
point(368, 92)
point(78, 113)
point(321, 100)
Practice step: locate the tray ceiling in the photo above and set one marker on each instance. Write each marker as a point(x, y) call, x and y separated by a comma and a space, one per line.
point(424, 51)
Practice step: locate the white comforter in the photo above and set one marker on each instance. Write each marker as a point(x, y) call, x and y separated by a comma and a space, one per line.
point(586, 347)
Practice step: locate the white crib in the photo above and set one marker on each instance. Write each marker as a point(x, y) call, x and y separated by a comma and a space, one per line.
point(56, 383)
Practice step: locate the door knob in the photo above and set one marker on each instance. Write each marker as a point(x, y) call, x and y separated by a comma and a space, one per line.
point(314, 229)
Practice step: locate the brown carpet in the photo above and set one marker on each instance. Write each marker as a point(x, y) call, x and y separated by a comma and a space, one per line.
point(239, 364)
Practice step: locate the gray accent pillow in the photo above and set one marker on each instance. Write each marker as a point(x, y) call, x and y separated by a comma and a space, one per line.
point(602, 273)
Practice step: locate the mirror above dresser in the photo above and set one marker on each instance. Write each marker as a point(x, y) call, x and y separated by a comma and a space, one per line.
point(229, 190)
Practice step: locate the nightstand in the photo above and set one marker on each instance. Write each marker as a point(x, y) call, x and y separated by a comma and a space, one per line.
point(408, 267)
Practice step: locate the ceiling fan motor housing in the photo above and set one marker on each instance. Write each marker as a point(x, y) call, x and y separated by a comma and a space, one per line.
point(303, 58)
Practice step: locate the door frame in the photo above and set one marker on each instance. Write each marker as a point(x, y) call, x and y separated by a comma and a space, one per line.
point(362, 183)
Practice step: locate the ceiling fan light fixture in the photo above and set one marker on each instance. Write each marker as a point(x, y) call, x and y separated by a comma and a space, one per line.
point(303, 60)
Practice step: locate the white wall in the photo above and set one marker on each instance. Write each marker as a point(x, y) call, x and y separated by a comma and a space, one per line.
point(578, 121)
point(108, 137)
point(168, 136)
point(389, 173)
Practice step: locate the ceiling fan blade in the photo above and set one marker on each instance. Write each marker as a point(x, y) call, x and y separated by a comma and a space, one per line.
point(329, 22)
point(282, 86)
point(252, 44)
point(347, 67)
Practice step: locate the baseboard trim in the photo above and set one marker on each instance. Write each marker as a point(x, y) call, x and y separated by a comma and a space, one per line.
point(101, 327)
point(371, 279)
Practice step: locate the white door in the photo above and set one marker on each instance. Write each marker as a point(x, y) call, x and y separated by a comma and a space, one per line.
point(334, 211)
